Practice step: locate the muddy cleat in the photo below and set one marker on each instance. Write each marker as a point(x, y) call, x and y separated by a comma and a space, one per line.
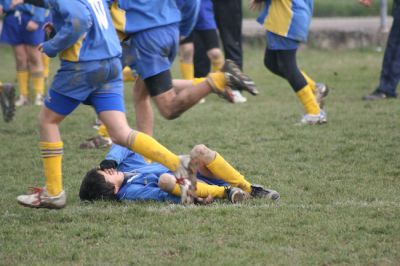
point(7, 101)
point(22, 100)
point(97, 142)
point(39, 198)
point(258, 191)
point(186, 179)
point(309, 119)
point(236, 195)
point(237, 80)
point(320, 93)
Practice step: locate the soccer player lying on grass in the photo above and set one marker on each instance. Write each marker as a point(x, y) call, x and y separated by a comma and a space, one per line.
point(125, 175)
point(7, 101)
point(90, 73)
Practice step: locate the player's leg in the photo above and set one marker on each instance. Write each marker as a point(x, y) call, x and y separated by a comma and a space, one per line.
point(21, 61)
point(36, 72)
point(143, 110)
point(186, 53)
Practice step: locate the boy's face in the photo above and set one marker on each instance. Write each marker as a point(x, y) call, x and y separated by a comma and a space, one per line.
point(114, 177)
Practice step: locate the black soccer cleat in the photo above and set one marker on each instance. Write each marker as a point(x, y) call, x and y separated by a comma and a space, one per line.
point(258, 191)
point(236, 195)
point(237, 80)
point(7, 101)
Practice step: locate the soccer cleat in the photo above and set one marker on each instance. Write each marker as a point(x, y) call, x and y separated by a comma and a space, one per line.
point(7, 101)
point(39, 100)
point(258, 191)
point(309, 119)
point(39, 198)
point(186, 179)
point(236, 195)
point(22, 100)
point(237, 80)
point(97, 142)
point(320, 93)
point(238, 97)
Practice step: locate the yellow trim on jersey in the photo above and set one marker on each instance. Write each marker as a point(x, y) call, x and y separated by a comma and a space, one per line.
point(118, 20)
point(279, 17)
point(72, 53)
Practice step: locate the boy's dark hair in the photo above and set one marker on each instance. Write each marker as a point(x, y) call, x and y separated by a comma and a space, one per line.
point(95, 187)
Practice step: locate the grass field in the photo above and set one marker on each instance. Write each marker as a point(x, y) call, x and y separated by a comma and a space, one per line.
point(339, 183)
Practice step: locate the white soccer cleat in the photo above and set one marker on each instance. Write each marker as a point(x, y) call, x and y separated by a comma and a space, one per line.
point(39, 100)
point(22, 100)
point(309, 119)
point(238, 97)
point(39, 198)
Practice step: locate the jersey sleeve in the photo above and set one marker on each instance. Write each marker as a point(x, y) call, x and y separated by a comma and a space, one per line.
point(118, 153)
point(77, 21)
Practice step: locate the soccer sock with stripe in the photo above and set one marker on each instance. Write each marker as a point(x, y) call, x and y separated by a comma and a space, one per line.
point(51, 153)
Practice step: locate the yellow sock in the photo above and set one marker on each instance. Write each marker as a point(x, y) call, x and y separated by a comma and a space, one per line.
point(153, 150)
point(217, 64)
point(23, 78)
point(46, 66)
point(51, 153)
point(203, 190)
point(217, 80)
point(38, 82)
point(187, 70)
point(307, 98)
point(223, 170)
point(310, 81)
point(102, 131)
point(198, 80)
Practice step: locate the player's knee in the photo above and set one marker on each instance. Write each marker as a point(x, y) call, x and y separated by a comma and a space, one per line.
point(166, 182)
point(199, 151)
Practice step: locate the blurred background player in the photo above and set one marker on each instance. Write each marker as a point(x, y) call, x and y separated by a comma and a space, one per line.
point(7, 101)
point(125, 175)
point(91, 73)
point(287, 24)
point(390, 73)
point(22, 29)
point(208, 57)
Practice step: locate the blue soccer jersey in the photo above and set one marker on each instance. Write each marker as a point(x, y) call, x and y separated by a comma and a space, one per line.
point(84, 31)
point(37, 13)
point(287, 18)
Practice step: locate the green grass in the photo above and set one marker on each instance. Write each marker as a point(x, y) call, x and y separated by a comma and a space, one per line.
point(336, 8)
point(339, 183)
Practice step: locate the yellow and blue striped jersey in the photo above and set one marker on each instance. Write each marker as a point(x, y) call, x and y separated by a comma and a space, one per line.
point(287, 18)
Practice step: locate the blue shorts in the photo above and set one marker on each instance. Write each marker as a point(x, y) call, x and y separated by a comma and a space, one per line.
point(97, 83)
point(15, 32)
point(206, 19)
point(152, 51)
point(277, 42)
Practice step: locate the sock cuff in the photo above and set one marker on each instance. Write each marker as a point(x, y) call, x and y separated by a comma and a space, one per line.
point(51, 149)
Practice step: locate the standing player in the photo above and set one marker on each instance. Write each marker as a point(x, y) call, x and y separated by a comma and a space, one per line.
point(22, 29)
point(90, 72)
point(287, 24)
point(154, 30)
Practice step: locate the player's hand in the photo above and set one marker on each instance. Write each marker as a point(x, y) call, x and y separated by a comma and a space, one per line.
point(255, 5)
point(40, 47)
point(15, 3)
point(108, 164)
point(366, 3)
point(32, 26)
